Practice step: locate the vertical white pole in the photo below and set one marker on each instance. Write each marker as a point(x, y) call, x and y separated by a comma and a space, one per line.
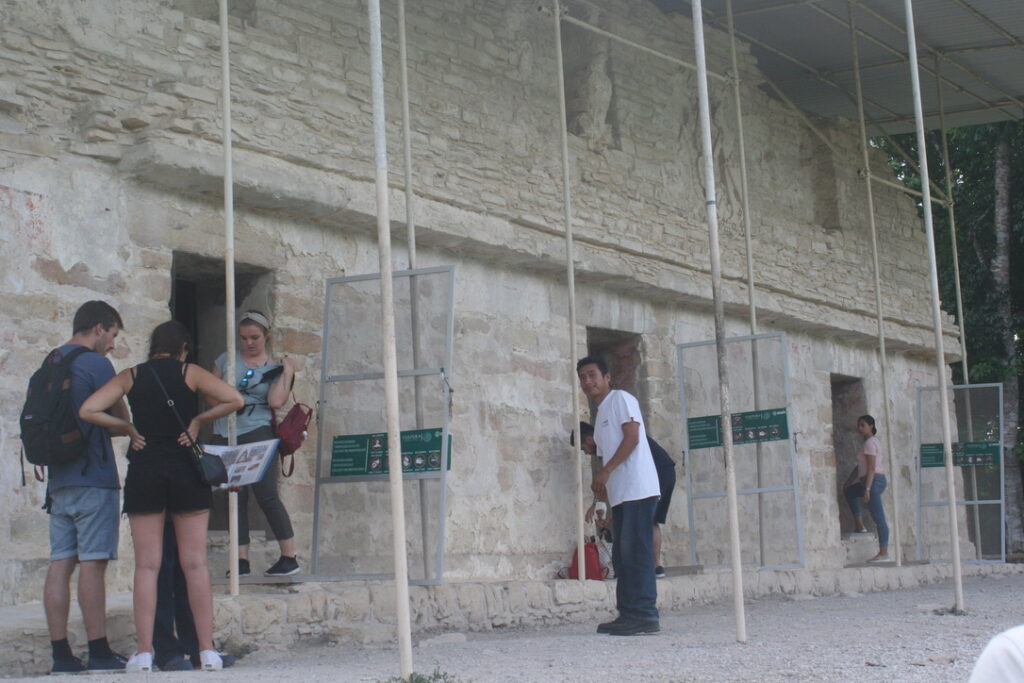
point(390, 358)
point(229, 278)
point(755, 364)
point(716, 290)
point(883, 358)
point(951, 214)
point(570, 276)
point(940, 360)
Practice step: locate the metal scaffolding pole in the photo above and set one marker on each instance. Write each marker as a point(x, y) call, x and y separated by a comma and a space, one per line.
point(229, 278)
point(751, 290)
point(940, 360)
point(719, 307)
point(883, 358)
point(951, 215)
point(570, 272)
point(388, 344)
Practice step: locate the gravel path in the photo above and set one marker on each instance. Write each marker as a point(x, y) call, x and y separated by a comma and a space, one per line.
point(868, 637)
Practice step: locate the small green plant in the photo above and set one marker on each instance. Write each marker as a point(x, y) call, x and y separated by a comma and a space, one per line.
point(437, 676)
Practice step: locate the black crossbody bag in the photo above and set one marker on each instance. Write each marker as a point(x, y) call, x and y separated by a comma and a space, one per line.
point(210, 467)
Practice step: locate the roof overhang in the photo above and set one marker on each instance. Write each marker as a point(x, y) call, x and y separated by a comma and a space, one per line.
point(974, 49)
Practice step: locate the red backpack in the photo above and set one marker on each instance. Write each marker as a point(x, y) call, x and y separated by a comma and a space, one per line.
point(292, 431)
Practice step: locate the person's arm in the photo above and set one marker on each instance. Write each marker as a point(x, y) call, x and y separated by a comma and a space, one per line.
point(110, 397)
point(277, 396)
point(869, 459)
point(630, 439)
point(222, 398)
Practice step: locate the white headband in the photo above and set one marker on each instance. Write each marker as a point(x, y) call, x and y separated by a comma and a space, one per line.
point(257, 318)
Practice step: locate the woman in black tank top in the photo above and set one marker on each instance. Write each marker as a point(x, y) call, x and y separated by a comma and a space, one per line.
point(162, 477)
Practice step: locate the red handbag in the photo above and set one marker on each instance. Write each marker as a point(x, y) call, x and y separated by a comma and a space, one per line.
point(292, 431)
point(593, 563)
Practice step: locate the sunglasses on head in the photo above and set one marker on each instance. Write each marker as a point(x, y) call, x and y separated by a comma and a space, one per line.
point(245, 380)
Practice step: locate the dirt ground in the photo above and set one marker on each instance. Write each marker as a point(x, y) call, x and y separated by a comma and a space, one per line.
point(905, 635)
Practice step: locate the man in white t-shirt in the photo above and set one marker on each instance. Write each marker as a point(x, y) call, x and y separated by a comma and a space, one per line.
point(630, 482)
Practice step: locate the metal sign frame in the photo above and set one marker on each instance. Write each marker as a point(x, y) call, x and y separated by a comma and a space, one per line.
point(440, 475)
point(691, 497)
point(966, 502)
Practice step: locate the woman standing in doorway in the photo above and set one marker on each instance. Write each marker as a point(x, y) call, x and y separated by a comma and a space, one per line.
point(866, 484)
point(264, 384)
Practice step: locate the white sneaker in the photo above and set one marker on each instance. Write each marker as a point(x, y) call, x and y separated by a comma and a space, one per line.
point(140, 662)
point(210, 660)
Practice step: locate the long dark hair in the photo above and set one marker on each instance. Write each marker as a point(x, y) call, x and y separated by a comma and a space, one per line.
point(869, 421)
point(170, 337)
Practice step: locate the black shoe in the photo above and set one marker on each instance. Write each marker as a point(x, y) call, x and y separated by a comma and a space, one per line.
point(285, 566)
point(176, 663)
point(632, 627)
point(243, 568)
point(112, 662)
point(68, 666)
point(659, 572)
point(607, 626)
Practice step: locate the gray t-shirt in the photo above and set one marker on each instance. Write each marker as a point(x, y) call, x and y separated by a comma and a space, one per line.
point(256, 412)
point(97, 468)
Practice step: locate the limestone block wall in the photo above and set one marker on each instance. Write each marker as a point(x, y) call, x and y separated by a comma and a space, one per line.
point(111, 175)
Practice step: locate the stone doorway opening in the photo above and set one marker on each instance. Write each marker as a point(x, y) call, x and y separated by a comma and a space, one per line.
point(197, 301)
point(622, 352)
point(848, 403)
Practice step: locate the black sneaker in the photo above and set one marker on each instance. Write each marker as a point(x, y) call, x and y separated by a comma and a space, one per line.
point(285, 566)
point(112, 662)
point(659, 572)
point(68, 666)
point(177, 663)
point(243, 569)
point(608, 626)
point(631, 627)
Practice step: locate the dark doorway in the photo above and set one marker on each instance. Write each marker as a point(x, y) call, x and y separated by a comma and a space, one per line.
point(848, 403)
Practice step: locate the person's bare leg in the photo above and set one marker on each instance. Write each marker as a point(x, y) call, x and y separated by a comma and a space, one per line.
point(92, 597)
point(287, 547)
point(190, 528)
point(657, 545)
point(243, 552)
point(57, 596)
point(148, 539)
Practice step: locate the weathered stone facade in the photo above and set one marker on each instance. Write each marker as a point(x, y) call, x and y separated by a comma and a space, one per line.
point(111, 174)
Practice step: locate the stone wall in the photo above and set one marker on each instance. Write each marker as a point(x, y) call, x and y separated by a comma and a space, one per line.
point(112, 173)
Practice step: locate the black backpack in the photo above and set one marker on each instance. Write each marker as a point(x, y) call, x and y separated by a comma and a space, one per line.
point(50, 433)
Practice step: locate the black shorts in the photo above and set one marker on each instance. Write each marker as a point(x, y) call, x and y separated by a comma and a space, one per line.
point(163, 476)
point(667, 482)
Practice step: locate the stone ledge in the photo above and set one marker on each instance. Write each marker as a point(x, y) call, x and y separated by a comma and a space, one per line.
point(278, 617)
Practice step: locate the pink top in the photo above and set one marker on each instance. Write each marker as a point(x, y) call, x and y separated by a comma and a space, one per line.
point(872, 446)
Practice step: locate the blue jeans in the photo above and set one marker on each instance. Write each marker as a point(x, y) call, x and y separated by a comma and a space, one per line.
point(636, 593)
point(855, 491)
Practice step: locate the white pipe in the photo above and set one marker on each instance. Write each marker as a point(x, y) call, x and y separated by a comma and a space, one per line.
point(716, 290)
point(755, 364)
point(229, 278)
point(940, 360)
point(951, 214)
point(883, 357)
point(390, 357)
point(570, 272)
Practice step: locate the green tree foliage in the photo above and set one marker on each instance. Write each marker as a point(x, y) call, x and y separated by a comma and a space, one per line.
point(972, 161)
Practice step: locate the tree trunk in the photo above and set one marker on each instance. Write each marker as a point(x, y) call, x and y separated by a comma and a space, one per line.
point(1011, 386)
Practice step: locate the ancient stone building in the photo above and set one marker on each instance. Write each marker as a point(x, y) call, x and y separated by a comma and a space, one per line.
point(111, 175)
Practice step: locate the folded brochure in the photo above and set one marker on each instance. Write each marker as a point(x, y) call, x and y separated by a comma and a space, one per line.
point(246, 463)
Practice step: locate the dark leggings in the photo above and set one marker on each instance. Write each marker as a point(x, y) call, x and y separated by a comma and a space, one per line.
point(266, 495)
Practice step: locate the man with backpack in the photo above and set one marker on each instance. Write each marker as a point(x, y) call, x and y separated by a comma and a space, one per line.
point(83, 492)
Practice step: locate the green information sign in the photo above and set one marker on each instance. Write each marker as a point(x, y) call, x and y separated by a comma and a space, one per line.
point(359, 454)
point(750, 427)
point(965, 454)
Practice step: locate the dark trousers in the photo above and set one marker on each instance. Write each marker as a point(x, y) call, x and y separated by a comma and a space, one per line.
point(636, 592)
point(173, 614)
point(265, 492)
